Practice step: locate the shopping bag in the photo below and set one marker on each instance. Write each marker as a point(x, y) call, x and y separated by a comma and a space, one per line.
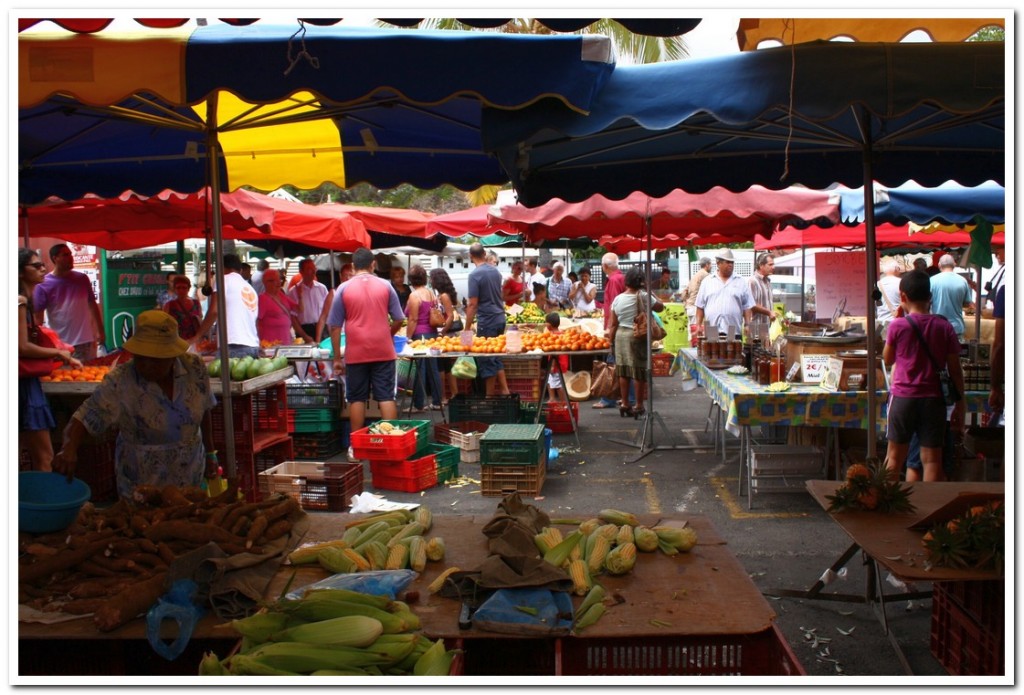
point(464, 368)
point(602, 380)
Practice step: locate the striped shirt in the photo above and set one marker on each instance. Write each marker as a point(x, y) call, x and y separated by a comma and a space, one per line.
point(724, 301)
point(761, 291)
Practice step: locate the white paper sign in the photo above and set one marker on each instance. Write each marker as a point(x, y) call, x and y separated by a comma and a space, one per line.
point(812, 368)
point(846, 288)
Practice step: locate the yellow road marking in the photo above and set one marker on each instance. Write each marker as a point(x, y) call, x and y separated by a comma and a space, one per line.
point(650, 492)
point(724, 488)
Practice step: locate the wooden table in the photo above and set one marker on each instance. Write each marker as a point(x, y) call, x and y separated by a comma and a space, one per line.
point(888, 541)
point(705, 592)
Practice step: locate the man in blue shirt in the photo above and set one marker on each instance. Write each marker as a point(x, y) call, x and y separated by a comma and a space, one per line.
point(950, 294)
point(486, 305)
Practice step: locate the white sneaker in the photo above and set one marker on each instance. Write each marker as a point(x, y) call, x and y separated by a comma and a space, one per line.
point(352, 457)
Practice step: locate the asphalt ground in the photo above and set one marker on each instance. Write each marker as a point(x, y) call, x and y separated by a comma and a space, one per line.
point(785, 541)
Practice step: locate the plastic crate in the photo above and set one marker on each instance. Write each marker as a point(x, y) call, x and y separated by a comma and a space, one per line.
point(316, 485)
point(463, 386)
point(412, 475)
point(96, 466)
point(557, 416)
point(512, 444)
point(661, 364)
point(523, 369)
point(319, 446)
point(312, 420)
point(490, 409)
point(324, 394)
point(961, 644)
point(248, 465)
point(765, 653)
point(447, 457)
point(528, 389)
point(784, 460)
point(504, 480)
point(255, 417)
point(391, 447)
point(982, 601)
point(528, 414)
point(464, 435)
point(519, 657)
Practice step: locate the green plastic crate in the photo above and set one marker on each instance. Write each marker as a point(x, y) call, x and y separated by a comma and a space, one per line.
point(447, 461)
point(528, 413)
point(512, 444)
point(311, 420)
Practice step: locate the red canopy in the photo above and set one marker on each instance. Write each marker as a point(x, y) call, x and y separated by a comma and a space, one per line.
point(886, 236)
point(133, 221)
point(677, 216)
point(473, 221)
point(399, 221)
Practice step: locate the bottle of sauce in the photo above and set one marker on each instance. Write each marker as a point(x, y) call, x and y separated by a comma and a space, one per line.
point(513, 340)
point(778, 364)
point(764, 370)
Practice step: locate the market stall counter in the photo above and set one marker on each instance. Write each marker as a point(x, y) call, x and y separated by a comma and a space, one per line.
point(695, 613)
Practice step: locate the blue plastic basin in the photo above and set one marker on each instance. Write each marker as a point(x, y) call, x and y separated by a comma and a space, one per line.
point(47, 502)
point(400, 341)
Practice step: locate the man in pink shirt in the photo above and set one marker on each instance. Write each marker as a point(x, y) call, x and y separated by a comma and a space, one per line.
point(368, 308)
point(614, 285)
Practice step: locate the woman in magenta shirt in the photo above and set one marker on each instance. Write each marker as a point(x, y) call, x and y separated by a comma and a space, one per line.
point(418, 312)
point(276, 315)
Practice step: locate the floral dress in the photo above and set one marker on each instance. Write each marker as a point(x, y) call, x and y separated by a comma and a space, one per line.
point(159, 440)
point(188, 320)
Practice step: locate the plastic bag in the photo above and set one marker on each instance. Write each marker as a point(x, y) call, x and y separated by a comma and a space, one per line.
point(388, 583)
point(464, 368)
point(177, 605)
point(603, 383)
point(529, 611)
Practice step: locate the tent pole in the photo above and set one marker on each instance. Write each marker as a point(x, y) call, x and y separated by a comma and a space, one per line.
point(803, 282)
point(872, 264)
point(213, 152)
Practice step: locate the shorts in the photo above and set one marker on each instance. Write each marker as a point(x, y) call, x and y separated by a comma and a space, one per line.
point(235, 350)
point(366, 378)
point(487, 367)
point(925, 416)
point(554, 381)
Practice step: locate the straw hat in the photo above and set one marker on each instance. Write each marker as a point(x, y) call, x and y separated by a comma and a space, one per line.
point(724, 255)
point(156, 335)
point(577, 386)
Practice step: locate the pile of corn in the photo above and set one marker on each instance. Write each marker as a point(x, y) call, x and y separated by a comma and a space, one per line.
point(332, 632)
point(388, 541)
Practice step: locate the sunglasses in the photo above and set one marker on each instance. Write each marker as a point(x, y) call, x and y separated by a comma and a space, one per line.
point(38, 265)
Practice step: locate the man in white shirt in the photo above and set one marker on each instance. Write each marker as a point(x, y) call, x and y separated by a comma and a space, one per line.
point(889, 286)
point(724, 299)
point(314, 300)
point(533, 276)
point(241, 304)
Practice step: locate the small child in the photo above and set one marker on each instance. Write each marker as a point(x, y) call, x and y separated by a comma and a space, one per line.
point(916, 405)
point(555, 386)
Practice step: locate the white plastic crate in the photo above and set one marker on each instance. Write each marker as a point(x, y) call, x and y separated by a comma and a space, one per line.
point(770, 460)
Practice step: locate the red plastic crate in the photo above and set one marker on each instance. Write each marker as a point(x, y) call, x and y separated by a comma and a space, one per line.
point(557, 416)
point(982, 601)
point(413, 475)
point(463, 386)
point(257, 416)
point(96, 466)
point(764, 653)
point(391, 447)
point(962, 645)
point(661, 364)
point(528, 388)
point(523, 368)
point(249, 465)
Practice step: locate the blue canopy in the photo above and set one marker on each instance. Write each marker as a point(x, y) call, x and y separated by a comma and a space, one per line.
point(102, 113)
point(948, 203)
point(812, 114)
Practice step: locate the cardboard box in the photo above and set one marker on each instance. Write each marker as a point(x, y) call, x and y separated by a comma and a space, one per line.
point(796, 349)
point(850, 374)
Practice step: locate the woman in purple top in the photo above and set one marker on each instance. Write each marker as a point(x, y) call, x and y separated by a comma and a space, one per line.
point(920, 345)
point(276, 316)
point(417, 310)
point(185, 310)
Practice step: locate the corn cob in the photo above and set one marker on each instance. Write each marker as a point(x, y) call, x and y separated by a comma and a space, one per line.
point(435, 549)
point(413, 528)
point(401, 609)
point(558, 555)
point(381, 538)
point(361, 563)
point(346, 631)
point(436, 661)
point(335, 560)
point(595, 595)
point(667, 548)
point(614, 516)
point(682, 539)
point(399, 516)
point(351, 535)
point(417, 554)
point(577, 550)
point(260, 626)
point(436, 585)
point(625, 535)
point(646, 540)
point(313, 595)
point(398, 557)
point(597, 554)
point(246, 665)
point(299, 657)
point(590, 617)
point(369, 532)
point(318, 611)
point(580, 575)
point(212, 666)
point(397, 647)
point(609, 531)
point(306, 555)
point(376, 554)
point(424, 517)
point(545, 541)
point(589, 526)
point(621, 559)
point(339, 672)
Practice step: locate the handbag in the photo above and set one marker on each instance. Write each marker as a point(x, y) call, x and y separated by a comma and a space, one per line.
point(950, 394)
point(603, 383)
point(640, 322)
point(437, 316)
point(42, 336)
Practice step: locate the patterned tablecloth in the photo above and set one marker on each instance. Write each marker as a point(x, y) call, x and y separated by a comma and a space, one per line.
point(746, 403)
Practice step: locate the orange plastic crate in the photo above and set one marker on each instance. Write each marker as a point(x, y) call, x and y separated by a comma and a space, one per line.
point(557, 416)
point(391, 447)
point(961, 644)
point(411, 475)
point(661, 364)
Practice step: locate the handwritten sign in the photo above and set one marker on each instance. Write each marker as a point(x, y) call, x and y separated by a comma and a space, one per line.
point(812, 368)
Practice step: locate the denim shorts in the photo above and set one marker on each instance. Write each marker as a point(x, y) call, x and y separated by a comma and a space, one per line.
point(365, 378)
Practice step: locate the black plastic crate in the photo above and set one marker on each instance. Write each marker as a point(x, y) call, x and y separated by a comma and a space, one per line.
point(319, 446)
point(491, 410)
point(325, 394)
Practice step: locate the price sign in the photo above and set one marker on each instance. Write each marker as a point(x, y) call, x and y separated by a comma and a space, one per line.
point(812, 368)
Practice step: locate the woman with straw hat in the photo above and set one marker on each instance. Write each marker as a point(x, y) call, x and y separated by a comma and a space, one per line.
point(160, 403)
